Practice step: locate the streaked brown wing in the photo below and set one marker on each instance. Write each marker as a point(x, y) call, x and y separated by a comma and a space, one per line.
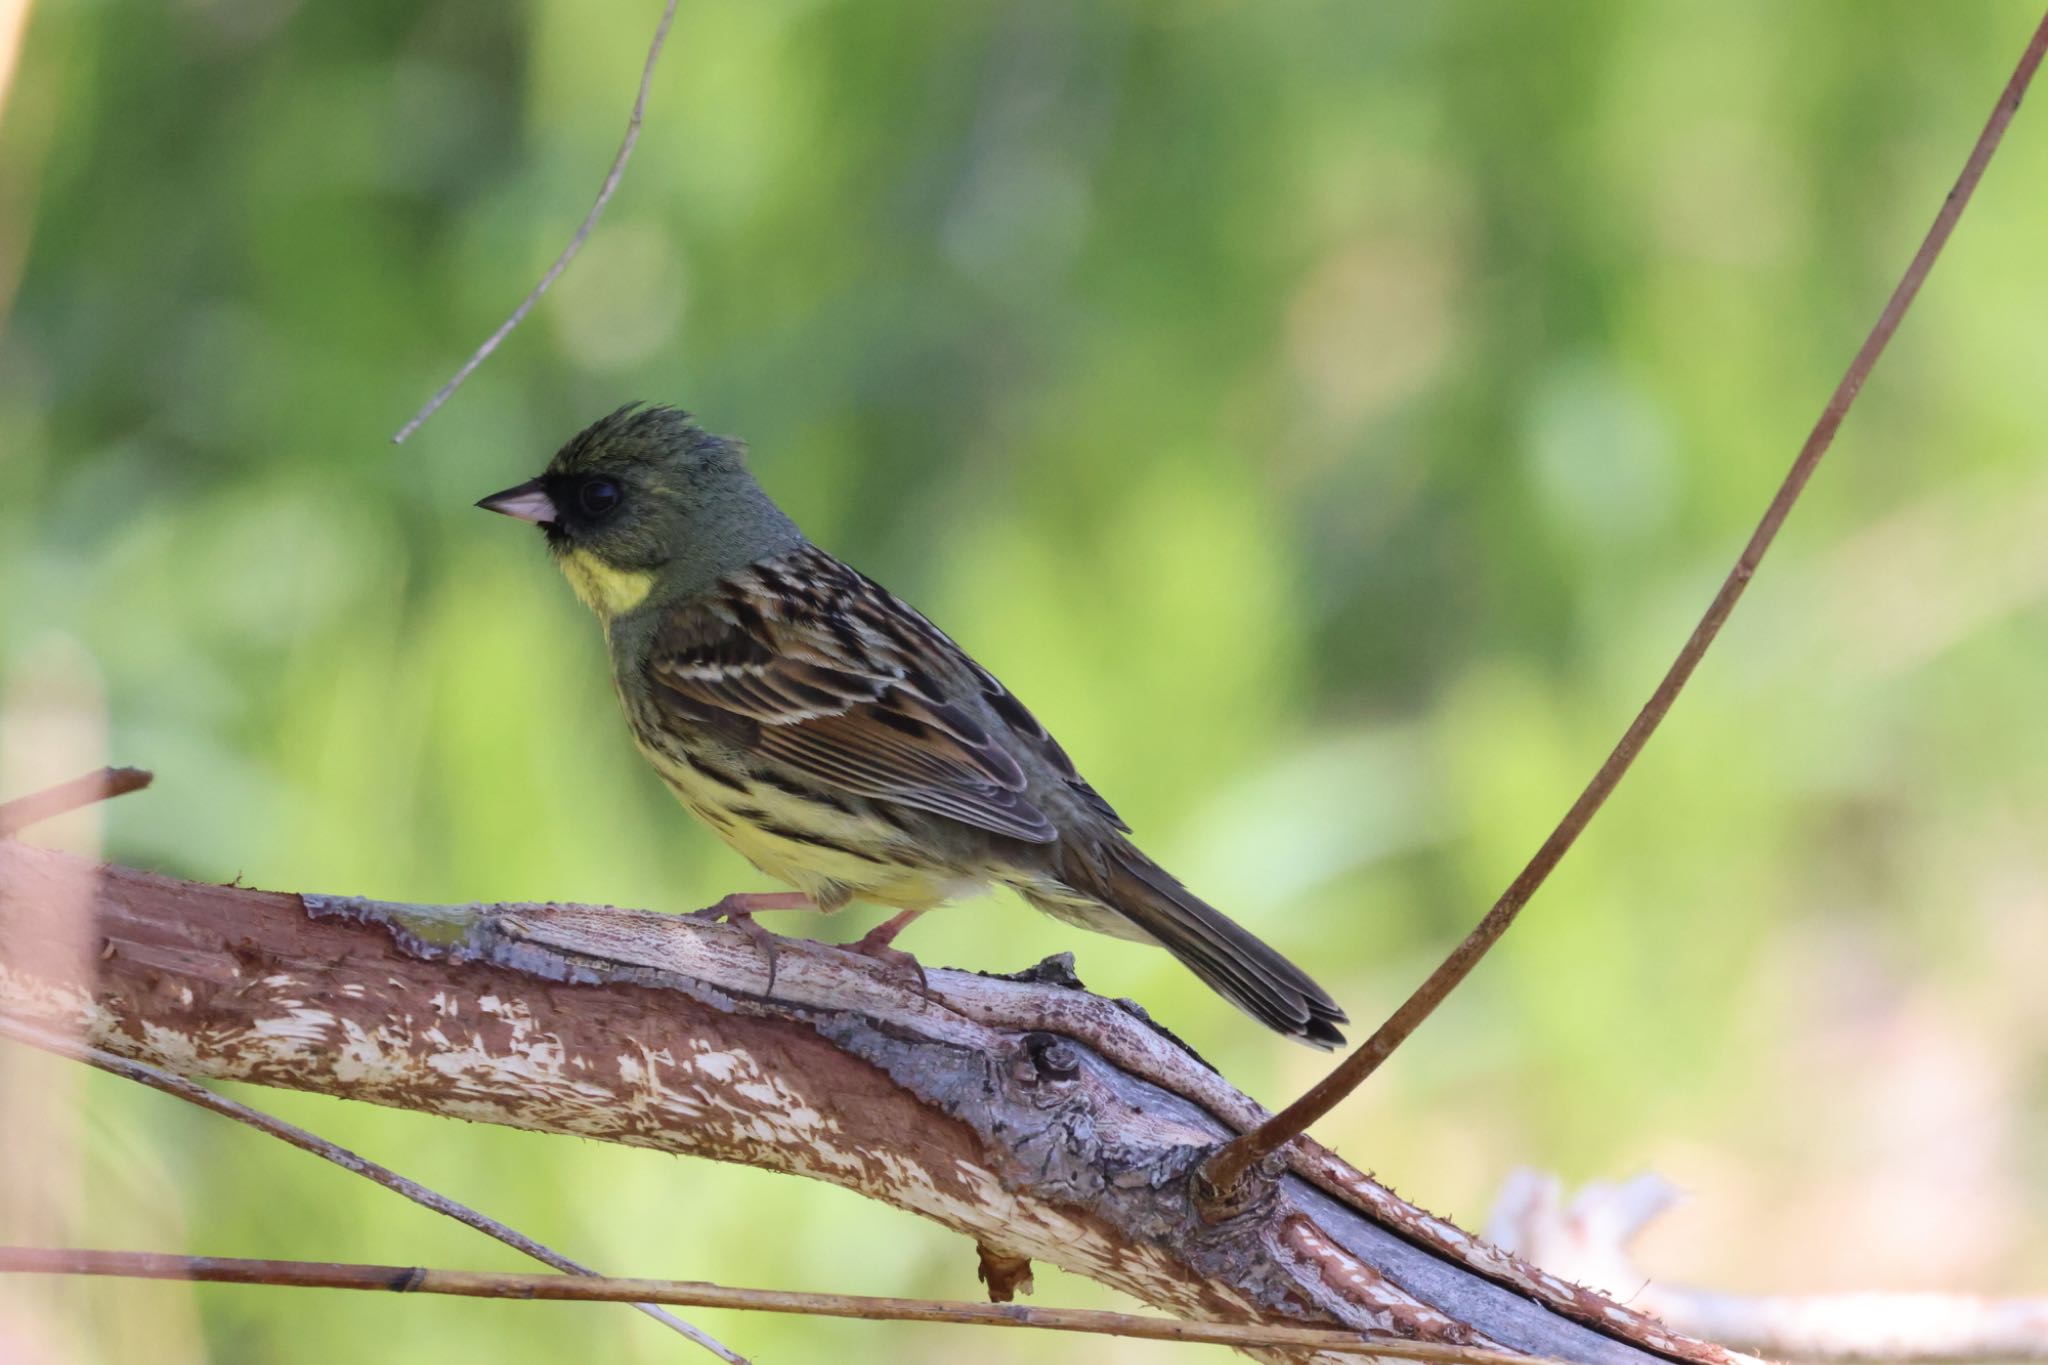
point(883, 613)
point(789, 660)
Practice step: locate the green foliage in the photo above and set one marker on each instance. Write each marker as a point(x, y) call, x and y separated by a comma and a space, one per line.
point(1329, 418)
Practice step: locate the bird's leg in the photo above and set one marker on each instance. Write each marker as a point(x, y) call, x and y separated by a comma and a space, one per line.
point(738, 910)
point(875, 943)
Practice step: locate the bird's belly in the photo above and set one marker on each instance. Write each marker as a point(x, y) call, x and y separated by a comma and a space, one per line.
point(833, 852)
point(900, 887)
point(834, 872)
point(829, 870)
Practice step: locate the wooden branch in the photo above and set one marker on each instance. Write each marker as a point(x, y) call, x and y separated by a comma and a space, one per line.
point(1041, 1121)
point(1589, 1237)
point(1224, 1173)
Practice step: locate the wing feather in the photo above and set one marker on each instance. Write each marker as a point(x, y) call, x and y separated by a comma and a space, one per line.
point(808, 663)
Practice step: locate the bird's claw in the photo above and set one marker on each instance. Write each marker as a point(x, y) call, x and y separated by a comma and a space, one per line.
point(738, 910)
point(766, 941)
point(877, 949)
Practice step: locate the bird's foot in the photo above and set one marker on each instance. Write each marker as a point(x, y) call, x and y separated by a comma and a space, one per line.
point(744, 904)
point(876, 943)
point(738, 910)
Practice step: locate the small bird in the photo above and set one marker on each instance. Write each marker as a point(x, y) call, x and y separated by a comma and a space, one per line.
point(833, 736)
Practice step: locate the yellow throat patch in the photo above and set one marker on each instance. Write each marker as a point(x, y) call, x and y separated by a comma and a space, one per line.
point(607, 591)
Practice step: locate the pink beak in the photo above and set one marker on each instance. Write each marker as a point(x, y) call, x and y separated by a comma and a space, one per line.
point(528, 502)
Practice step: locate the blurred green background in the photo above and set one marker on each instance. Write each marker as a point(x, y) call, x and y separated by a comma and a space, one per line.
point(1329, 418)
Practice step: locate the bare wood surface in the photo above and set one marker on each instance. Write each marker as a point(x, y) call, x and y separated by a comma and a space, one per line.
point(1040, 1121)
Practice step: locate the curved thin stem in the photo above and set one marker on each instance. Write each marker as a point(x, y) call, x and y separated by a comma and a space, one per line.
point(604, 194)
point(477, 1284)
point(1223, 1173)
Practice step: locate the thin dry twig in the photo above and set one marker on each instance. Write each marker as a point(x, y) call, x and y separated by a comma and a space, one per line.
point(604, 194)
point(1224, 1171)
point(65, 797)
point(194, 1093)
point(1871, 1326)
point(478, 1284)
point(1588, 1238)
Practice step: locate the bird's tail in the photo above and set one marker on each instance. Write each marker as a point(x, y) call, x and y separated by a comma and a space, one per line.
point(1236, 965)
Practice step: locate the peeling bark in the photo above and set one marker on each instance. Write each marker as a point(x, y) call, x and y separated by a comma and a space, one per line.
point(1041, 1121)
point(1005, 1275)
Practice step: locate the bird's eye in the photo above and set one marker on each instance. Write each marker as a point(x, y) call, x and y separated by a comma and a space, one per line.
point(597, 497)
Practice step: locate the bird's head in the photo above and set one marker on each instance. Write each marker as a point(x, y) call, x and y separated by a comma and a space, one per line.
point(645, 502)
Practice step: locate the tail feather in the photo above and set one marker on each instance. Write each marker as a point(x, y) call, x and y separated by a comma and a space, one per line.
point(1235, 964)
